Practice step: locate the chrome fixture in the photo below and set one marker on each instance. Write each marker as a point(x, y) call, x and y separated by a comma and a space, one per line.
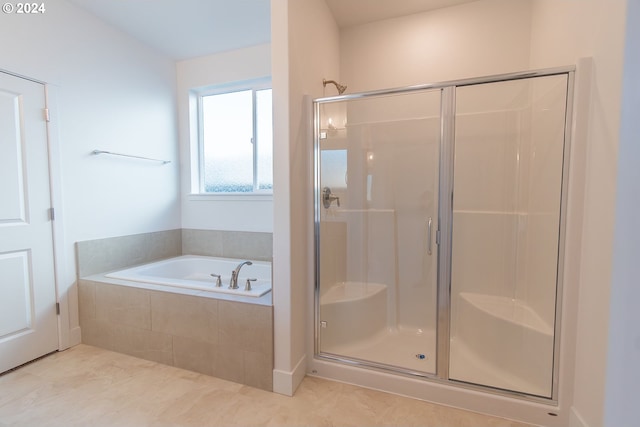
point(328, 198)
point(247, 286)
point(233, 284)
point(341, 88)
point(97, 152)
point(218, 279)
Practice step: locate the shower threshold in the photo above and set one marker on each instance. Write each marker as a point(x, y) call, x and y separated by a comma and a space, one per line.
point(405, 347)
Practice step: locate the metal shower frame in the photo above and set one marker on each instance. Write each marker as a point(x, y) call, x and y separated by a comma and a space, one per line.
point(447, 131)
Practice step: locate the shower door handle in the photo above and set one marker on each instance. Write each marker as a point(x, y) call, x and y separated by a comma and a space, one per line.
point(429, 235)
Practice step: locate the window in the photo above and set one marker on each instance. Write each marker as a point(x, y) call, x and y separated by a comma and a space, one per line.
point(236, 141)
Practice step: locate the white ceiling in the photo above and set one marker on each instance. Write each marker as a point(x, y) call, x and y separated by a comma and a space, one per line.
point(355, 12)
point(188, 28)
point(184, 29)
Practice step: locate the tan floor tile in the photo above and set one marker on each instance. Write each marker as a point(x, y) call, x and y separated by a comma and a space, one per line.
point(87, 386)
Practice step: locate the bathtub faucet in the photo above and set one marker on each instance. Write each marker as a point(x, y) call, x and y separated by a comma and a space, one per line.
point(234, 274)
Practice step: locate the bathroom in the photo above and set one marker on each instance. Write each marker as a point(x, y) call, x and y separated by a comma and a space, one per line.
point(132, 109)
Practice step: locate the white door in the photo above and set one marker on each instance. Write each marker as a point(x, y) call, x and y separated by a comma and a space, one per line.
point(28, 320)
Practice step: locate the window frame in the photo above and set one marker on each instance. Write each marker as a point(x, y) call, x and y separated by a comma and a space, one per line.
point(254, 86)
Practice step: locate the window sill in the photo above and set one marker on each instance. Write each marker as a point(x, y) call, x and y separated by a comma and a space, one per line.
point(230, 197)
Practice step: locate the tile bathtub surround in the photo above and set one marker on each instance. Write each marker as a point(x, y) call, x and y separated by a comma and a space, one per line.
point(102, 255)
point(255, 246)
point(90, 386)
point(98, 256)
point(226, 339)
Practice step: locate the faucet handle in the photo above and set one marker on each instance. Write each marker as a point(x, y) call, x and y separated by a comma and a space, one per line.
point(218, 279)
point(247, 286)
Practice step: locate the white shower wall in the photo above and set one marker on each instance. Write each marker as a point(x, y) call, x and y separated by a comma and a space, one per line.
point(543, 187)
point(393, 190)
point(392, 154)
point(370, 55)
point(507, 134)
point(507, 190)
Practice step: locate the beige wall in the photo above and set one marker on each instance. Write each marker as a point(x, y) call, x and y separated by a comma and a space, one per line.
point(305, 50)
point(470, 40)
point(563, 32)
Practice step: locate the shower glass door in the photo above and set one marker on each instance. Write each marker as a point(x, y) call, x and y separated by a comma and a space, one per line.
point(506, 238)
point(377, 167)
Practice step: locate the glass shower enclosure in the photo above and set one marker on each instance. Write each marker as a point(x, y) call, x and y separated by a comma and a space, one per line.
point(439, 223)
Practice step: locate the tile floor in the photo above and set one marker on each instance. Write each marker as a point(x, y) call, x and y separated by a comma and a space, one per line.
point(88, 386)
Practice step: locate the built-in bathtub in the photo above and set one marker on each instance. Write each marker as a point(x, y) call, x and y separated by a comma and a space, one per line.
point(171, 311)
point(195, 272)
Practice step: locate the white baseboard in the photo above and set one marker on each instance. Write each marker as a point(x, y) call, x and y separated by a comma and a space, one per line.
point(575, 420)
point(287, 382)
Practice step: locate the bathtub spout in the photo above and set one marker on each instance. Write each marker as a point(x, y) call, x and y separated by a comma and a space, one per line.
point(234, 274)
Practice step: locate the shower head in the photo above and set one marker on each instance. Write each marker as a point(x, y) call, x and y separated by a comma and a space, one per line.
point(341, 88)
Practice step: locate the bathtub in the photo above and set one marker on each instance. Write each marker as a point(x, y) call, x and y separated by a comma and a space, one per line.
point(194, 272)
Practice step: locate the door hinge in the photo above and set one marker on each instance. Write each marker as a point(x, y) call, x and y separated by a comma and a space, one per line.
point(58, 308)
point(47, 116)
point(52, 214)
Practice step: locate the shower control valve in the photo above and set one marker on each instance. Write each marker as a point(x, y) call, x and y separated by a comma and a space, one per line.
point(328, 198)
